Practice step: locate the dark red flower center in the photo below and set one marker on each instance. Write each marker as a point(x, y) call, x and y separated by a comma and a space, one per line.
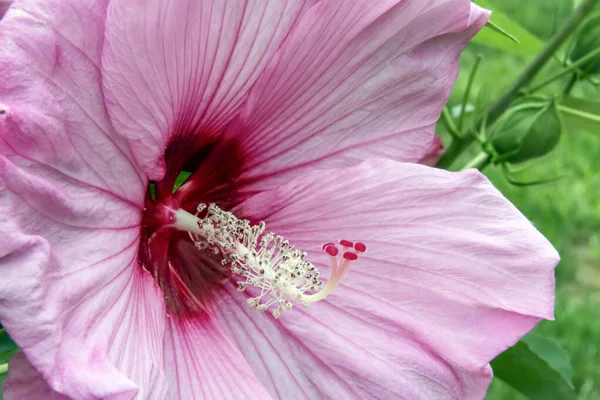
point(187, 276)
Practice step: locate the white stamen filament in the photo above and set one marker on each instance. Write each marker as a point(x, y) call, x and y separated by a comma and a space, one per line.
point(268, 262)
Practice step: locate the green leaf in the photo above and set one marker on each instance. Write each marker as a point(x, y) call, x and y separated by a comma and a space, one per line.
point(552, 353)
point(7, 347)
point(528, 44)
point(491, 25)
point(6, 343)
point(181, 178)
point(152, 189)
point(538, 368)
point(588, 117)
point(6, 356)
point(2, 378)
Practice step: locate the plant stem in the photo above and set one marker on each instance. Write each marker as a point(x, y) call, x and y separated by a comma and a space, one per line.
point(449, 123)
point(3, 369)
point(465, 99)
point(459, 145)
point(566, 70)
point(480, 161)
point(570, 84)
point(579, 113)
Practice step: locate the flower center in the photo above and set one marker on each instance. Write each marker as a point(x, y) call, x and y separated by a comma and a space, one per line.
point(267, 265)
point(192, 251)
point(188, 278)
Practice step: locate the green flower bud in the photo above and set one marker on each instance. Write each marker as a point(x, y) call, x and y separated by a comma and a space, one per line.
point(526, 132)
point(588, 40)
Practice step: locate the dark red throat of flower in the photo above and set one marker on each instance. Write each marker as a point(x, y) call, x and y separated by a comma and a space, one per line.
point(191, 250)
point(188, 277)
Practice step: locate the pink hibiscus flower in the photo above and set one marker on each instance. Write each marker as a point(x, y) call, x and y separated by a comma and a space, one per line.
point(4, 4)
point(434, 153)
point(119, 288)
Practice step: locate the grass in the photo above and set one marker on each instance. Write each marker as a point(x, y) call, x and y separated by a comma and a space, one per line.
point(567, 212)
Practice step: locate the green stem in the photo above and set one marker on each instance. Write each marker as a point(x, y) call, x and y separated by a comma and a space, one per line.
point(566, 70)
point(570, 84)
point(465, 99)
point(3, 369)
point(449, 123)
point(480, 161)
point(578, 113)
point(577, 16)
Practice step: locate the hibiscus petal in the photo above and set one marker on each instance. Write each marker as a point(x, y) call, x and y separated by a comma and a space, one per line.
point(356, 79)
point(179, 66)
point(65, 308)
point(89, 320)
point(453, 275)
point(51, 105)
point(4, 4)
point(339, 355)
point(204, 363)
point(25, 383)
point(434, 153)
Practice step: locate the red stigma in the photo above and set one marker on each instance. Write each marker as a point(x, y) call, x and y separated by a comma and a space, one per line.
point(331, 250)
point(325, 245)
point(360, 247)
point(350, 256)
point(346, 243)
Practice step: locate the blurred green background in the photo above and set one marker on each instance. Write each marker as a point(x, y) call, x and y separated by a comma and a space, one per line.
point(567, 212)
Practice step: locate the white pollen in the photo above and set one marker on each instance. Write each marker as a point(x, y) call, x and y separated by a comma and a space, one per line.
point(266, 262)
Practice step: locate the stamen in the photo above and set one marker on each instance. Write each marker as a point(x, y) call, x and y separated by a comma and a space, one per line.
point(267, 262)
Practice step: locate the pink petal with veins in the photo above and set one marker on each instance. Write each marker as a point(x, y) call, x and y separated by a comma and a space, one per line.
point(24, 382)
point(204, 364)
point(98, 97)
point(434, 153)
point(90, 320)
point(453, 276)
point(4, 4)
point(355, 79)
point(181, 68)
point(316, 85)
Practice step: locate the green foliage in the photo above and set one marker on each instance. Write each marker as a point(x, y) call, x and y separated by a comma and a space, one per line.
point(181, 178)
point(492, 25)
point(588, 118)
point(537, 367)
point(578, 310)
point(588, 40)
point(567, 211)
point(527, 44)
point(540, 17)
point(7, 347)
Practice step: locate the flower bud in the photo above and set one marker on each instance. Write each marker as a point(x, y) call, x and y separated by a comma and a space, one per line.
point(588, 40)
point(526, 132)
